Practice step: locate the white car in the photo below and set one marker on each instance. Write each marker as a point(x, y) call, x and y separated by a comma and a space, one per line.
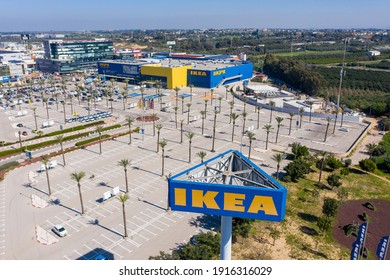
point(60, 230)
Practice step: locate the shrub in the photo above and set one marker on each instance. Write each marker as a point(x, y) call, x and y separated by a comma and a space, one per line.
point(330, 207)
point(334, 163)
point(348, 162)
point(351, 229)
point(8, 165)
point(297, 169)
point(367, 165)
point(334, 180)
point(369, 205)
point(82, 143)
point(324, 223)
point(345, 171)
point(342, 194)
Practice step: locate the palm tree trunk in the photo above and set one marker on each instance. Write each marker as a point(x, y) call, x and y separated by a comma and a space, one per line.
point(81, 199)
point(326, 132)
point(126, 181)
point(63, 155)
point(233, 132)
point(266, 142)
point(277, 172)
point(100, 143)
point(124, 220)
point(47, 178)
point(250, 148)
point(129, 134)
point(162, 165)
point(189, 153)
point(277, 134)
point(158, 141)
point(258, 118)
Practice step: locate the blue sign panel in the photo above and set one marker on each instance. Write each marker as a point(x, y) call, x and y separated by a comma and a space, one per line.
point(382, 247)
point(244, 202)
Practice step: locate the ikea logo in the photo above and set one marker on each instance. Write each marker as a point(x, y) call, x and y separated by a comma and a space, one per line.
point(104, 64)
point(228, 201)
point(198, 73)
point(219, 72)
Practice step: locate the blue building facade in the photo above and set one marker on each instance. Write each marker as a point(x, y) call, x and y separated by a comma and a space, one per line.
point(219, 77)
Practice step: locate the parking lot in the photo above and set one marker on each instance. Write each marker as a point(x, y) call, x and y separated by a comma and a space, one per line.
point(151, 228)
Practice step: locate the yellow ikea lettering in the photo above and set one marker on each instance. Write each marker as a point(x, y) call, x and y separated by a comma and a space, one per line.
point(208, 199)
point(234, 202)
point(220, 72)
point(104, 65)
point(263, 203)
point(198, 73)
point(180, 197)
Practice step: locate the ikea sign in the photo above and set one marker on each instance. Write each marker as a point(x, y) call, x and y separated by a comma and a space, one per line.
point(198, 73)
point(227, 200)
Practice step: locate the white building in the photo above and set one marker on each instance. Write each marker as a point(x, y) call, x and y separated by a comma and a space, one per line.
point(374, 53)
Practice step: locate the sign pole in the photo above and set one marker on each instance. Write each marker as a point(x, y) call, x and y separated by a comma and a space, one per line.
point(226, 238)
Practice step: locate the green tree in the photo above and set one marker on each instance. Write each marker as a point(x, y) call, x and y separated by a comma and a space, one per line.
point(129, 121)
point(189, 135)
point(233, 116)
point(342, 194)
point(272, 106)
point(99, 130)
point(154, 118)
point(78, 176)
point(334, 163)
point(163, 144)
point(251, 136)
point(330, 207)
point(244, 115)
point(301, 111)
point(214, 130)
point(311, 108)
point(367, 165)
point(279, 121)
point(291, 119)
point(201, 155)
point(324, 223)
point(175, 109)
point(334, 180)
point(45, 161)
point(278, 158)
point(159, 126)
point(275, 234)
point(60, 140)
point(299, 151)
point(267, 128)
point(322, 163)
point(176, 89)
point(241, 227)
point(124, 163)
point(296, 169)
point(123, 198)
point(231, 103)
point(328, 119)
point(188, 112)
point(203, 115)
point(371, 147)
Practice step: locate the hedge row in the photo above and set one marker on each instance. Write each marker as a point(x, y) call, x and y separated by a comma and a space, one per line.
point(71, 129)
point(8, 165)
point(82, 143)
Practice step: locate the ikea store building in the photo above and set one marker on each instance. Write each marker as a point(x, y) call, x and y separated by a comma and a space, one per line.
point(180, 70)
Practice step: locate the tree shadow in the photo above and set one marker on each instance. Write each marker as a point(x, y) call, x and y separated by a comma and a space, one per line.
point(141, 169)
point(209, 222)
point(29, 185)
point(357, 171)
point(314, 252)
point(308, 230)
point(308, 217)
point(152, 204)
point(96, 222)
point(57, 201)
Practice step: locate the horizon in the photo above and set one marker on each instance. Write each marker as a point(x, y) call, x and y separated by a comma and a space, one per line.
point(89, 15)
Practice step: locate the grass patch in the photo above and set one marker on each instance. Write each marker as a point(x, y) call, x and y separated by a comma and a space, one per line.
point(8, 165)
point(88, 141)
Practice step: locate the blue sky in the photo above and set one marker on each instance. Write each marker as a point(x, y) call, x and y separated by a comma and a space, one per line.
point(57, 15)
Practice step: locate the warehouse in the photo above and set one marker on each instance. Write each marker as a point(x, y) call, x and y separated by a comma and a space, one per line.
point(121, 70)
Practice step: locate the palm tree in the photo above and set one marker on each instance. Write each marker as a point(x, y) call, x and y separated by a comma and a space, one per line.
point(245, 100)
point(279, 121)
point(342, 114)
point(124, 163)
point(154, 118)
point(215, 123)
point(220, 100)
point(181, 130)
point(234, 117)
point(159, 126)
point(189, 135)
point(278, 158)
point(182, 104)
point(336, 113)
point(244, 115)
point(251, 136)
point(371, 147)
point(123, 198)
point(162, 143)
point(301, 111)
point(99, 130)
point(63, 108)
point(231, 103)
point(328, 119)
point(45, 162)
point(211, 96)
point(267, 128)
point(60, 139)
point(71, 104)
point(226, 91)
point(291, 119)
point(272, 106)
point(35, 117)
point(77, 177)
point(258, 116)
point(205, 106)
point(191, 87)
point(201, 155)
point(203, 114)
point(129, 121)
point(188, 112)
point(311, 108)
point(324, 154)
point(47, 107)
point(176, 89)
point(175, 109)
point(124, 96)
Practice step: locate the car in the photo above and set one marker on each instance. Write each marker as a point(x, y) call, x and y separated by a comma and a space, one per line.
point(60, 230)
point(24, 133)
point(19, 125)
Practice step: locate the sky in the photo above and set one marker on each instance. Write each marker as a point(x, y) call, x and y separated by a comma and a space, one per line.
point(78, 15)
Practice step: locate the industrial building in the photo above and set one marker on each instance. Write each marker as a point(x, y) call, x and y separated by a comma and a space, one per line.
point(179, 70)
point(71, 56)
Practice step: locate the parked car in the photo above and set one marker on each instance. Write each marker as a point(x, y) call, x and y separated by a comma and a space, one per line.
point(19, 125)
point(60, 230)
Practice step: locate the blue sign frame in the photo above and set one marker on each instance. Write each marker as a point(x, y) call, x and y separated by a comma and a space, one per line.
point(228, 200)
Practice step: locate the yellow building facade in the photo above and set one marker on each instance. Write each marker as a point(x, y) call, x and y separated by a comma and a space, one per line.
point(175, 76)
